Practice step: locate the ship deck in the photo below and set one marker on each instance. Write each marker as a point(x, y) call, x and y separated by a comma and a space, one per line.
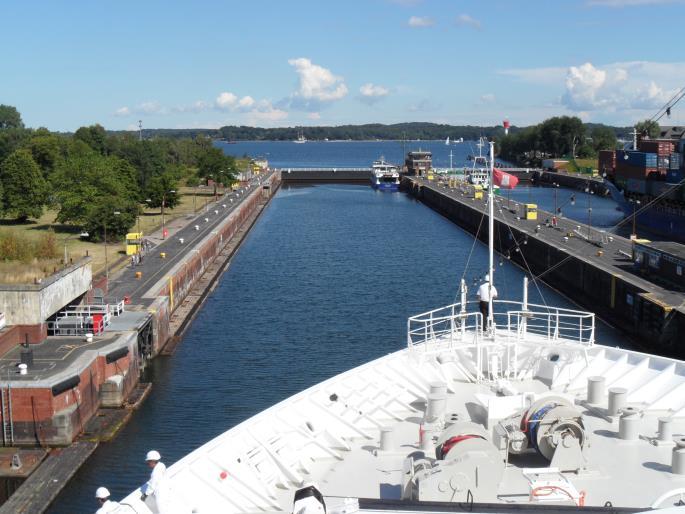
point(331, 434)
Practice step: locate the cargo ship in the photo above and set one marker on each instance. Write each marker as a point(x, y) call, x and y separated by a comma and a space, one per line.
point(648, 182)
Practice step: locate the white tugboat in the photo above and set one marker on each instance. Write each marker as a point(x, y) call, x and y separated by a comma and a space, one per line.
point(518, 411)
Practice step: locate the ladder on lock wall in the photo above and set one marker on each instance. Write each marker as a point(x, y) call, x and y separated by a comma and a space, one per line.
point(6, 406)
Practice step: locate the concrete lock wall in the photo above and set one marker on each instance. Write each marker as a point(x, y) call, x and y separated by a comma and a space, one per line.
point(599, 290)
point(32, 304)
point(41, 417)
point(170, 291)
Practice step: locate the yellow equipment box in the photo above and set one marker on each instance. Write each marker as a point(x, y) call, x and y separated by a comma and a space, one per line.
point(133, 242)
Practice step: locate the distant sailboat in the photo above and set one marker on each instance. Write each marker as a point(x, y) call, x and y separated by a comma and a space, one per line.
point(300, 138)
point(447, 141)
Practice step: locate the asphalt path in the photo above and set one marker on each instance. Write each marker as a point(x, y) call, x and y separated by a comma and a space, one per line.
point(604, 250)
point(153, 267)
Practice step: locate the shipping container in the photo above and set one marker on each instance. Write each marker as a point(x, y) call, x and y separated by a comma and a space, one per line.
point(606, 161)
point(626, 171)
point(681, 146)
point(663, 162)
point(642, 159)
point(657, 146)
point(675, 161)
point(636, 186)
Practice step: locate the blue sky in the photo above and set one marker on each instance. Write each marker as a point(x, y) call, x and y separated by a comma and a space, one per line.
point(314, 62)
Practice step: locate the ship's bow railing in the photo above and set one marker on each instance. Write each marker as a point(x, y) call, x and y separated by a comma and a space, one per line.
point(463, 324)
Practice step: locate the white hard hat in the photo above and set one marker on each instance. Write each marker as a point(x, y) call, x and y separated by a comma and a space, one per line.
point(153, 455)
point(487, 278)
point(102, 493)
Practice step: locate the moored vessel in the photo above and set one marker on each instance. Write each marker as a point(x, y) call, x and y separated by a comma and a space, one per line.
point(384, 176)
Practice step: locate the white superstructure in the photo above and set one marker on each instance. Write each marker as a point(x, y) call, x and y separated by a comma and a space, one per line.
point(384, 175)
point(518, 412)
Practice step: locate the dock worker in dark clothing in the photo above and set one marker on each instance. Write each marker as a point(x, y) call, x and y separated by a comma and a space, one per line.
point(484, 297)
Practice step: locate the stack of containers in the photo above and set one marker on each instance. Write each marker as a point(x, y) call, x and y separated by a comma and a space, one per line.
point(662, 148)
point(607, 162)
point(675, 174)
point(633, 169)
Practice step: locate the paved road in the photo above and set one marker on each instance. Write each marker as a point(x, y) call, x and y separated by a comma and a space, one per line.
point(616, 251)
point(153, 267)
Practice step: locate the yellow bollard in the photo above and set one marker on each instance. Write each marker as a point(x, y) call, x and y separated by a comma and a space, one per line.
point(162, 255)
point(600, 253)
point(139, 274)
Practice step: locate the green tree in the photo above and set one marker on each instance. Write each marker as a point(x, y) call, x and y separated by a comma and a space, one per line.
point(603, 138)
point(11, 139)
point(215, 165)
point(649, 128)
point(24, 187)
point(94, 136)
point(10, 118)
point(91, 189)
point(46, 149)
point(163, 188)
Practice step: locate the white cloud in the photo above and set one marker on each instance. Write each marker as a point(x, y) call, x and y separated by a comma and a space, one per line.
point(265, 114)
point(488, 98)
point(316, 86)
point(314, 115)
point(246, 102)
point(226, 100)
point(629, 3)
point(622, 86)
point(197, 106)
point(372, 93)
point(420, 21)
point(150, 108)
point(583, 88)
point(464, 20)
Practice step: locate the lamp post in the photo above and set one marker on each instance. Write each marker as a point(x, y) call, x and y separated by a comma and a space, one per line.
point(635, 204)
point(556, 209)
point(116, 213)
point(163, 202)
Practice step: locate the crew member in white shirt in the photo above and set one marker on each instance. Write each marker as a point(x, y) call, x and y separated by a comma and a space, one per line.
point(484, 298)
point(158, 485)
point(106, 505)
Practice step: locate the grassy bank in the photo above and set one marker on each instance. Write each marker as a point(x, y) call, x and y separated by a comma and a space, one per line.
point(36, 231)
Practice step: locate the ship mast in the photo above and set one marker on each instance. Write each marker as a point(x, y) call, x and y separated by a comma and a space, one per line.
point(491, 237)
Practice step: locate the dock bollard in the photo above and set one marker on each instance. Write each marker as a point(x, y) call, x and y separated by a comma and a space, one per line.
point(180, 240)
point(139, 274)
point(162, 255)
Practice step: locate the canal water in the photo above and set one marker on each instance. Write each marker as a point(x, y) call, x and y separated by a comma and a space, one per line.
point(323, 282)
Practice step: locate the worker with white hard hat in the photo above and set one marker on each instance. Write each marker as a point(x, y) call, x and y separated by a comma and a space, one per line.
point(106, 505)
point(484, 292)
point(158, 485)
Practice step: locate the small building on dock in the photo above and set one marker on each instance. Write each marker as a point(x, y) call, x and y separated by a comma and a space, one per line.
point(418, 163)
